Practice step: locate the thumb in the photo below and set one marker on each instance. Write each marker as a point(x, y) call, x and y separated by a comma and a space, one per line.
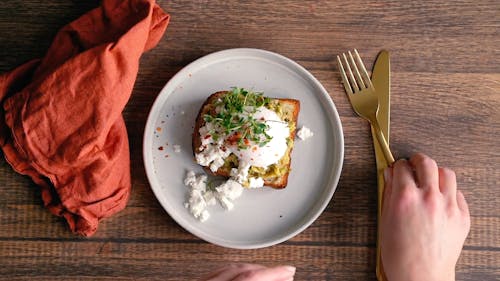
point(278, 273)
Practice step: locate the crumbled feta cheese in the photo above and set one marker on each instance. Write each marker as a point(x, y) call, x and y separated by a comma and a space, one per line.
point(204, 216)
point(216, 164)
point(226, 203)
point(230, 189)
point(211, 153)
point(255, 182)
point(212, 156)
point(200, 197)
point(304, 133)
point(210, 198)
point(196, 203)
point(241, 173)
point(190, 178)
point(196, 182)
point(177, 148)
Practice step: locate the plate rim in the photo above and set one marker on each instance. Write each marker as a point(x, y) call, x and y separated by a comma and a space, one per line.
point(336, 124)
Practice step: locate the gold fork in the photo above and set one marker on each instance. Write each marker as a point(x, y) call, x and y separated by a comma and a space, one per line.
point(362, 95)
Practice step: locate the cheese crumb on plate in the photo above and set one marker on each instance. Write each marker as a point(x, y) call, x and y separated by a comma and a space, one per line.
point(201, 195)
point(304, 133)
point(177, 148)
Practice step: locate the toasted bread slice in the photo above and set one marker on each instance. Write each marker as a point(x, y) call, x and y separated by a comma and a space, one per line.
point(276, 175)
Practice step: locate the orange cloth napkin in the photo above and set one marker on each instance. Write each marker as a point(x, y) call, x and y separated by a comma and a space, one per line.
point(60, 119)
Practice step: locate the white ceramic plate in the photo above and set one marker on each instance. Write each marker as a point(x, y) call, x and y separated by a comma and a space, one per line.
point(261, 217)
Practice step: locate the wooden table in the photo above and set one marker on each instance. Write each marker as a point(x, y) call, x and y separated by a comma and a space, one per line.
point(445, 102)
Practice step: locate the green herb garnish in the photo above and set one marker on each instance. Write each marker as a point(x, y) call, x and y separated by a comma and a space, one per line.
point(235, 118)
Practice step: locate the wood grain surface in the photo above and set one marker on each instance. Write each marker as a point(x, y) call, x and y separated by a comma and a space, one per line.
point(445, 102)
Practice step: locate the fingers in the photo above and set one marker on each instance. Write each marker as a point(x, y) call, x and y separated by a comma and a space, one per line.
point(251, 272)
point(387, 186)
point(462, 204)
point(402, 177)
point(229, 272)
point(279, 273)
point(464, 208)
point(388, 181)
point(448, 183)
point(426, 171)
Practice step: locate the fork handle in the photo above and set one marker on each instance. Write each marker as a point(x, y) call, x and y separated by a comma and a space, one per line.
point(383, 144)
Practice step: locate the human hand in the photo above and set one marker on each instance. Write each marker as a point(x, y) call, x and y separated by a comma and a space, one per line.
point(251, 272)
point(424, 222)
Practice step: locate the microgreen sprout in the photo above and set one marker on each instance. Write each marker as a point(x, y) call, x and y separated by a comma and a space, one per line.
point(235, 117)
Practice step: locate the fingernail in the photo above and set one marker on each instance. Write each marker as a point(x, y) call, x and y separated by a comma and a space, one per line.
point(290, 268)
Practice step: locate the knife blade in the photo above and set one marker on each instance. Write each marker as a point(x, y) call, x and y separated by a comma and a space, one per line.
point(381, 79)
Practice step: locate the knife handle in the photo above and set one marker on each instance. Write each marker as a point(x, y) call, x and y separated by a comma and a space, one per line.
point(380, 272)
point(383, 144)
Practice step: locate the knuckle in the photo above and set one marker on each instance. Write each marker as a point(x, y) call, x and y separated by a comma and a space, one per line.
point(428, 186)
point(452, 211)
point(409, 191)
point(433, 200)
point(406, 198)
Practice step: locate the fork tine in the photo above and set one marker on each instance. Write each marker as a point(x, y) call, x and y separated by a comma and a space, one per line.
point(363, 69)
point(356, 72)
point(351, 76)
point(347, 86)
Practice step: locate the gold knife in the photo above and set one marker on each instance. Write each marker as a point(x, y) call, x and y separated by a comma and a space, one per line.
point(381, 80)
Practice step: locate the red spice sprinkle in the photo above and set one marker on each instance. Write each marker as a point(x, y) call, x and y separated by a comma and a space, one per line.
point(262, 118)
point(158, 129)
point(234, 138)
point(246, 141)
point(254, 148)
point(223, 148)
point(160, 148)
point(207, 136)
